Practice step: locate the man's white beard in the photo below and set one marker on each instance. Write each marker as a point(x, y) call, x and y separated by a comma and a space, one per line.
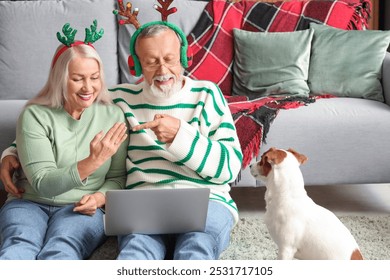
point(166, 90)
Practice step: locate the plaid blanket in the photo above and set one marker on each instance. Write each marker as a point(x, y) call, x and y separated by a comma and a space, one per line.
point(211, 40)
point(212, 44)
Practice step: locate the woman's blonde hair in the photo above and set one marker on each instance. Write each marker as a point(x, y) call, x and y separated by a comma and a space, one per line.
point(54, 93)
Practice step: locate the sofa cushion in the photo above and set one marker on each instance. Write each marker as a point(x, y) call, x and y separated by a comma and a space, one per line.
point(339, 136)
point(9, 112)
point(28, 27)
point(187, 15)
point(271, 63)
point(347, 63)
point(386, 81)
point(212, 37)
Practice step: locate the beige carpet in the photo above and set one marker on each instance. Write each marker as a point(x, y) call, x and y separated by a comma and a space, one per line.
point(251, 241)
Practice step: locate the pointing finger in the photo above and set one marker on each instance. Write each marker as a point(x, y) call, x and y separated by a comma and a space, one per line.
point(146, 125)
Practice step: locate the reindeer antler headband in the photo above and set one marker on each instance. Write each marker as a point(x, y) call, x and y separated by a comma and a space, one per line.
point(91, 36)
point(165, 11)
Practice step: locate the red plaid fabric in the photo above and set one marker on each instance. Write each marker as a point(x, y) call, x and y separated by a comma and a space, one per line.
point(212, 44)
point(212, 38)
point(253, 118)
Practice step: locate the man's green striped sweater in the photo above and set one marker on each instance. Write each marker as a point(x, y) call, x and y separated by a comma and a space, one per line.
point(205, 153)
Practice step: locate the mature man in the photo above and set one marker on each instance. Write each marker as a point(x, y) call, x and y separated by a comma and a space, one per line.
point(182, 135)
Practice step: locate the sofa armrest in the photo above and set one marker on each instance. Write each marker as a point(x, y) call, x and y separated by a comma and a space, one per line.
point(386, 78)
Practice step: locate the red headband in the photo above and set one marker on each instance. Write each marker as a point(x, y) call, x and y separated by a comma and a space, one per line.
point(64, 48)
point(91, 36)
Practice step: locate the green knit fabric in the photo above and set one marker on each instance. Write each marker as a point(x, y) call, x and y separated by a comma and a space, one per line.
point(206, 141)
point(50, 143)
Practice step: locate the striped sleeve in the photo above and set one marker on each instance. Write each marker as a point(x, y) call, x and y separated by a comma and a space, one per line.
point(213, 151)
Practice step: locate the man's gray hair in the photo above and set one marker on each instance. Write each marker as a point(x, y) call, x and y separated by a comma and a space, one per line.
point(155, 29)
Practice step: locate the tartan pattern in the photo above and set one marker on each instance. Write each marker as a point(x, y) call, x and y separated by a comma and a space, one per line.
point(253, 119)
point(213, 48)
point(212, 42)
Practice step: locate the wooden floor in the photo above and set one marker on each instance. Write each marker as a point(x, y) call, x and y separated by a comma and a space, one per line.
point(341, 199)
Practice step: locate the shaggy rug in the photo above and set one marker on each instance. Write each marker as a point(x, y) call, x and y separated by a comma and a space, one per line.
point(250, 239)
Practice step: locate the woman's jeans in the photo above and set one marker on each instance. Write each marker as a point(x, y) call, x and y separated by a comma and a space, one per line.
point(206, 245)
point(30, 230)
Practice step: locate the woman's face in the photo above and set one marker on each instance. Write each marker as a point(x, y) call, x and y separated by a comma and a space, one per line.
point(84, 85)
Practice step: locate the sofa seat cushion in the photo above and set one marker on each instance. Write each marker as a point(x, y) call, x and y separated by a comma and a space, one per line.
point(336, 132)
point(9, 112)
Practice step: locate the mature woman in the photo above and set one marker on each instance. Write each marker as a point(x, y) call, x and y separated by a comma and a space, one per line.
point(70, 141)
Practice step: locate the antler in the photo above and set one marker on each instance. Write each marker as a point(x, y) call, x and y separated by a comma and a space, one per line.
point(131, 16)
point(69, 33)
point(91, 36)
point(165, 12)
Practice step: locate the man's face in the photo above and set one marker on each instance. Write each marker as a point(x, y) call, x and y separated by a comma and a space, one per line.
point(160, 61)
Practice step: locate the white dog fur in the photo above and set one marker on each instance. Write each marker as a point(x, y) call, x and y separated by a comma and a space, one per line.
point(300, 228)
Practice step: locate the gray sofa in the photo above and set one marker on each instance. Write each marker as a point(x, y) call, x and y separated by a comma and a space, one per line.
point(345, 139)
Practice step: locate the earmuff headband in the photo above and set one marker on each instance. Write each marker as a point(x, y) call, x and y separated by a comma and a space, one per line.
point(183, 48)
point(131, 18)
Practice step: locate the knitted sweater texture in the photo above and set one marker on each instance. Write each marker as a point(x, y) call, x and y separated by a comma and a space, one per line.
point(205, 153)
point(50, 143)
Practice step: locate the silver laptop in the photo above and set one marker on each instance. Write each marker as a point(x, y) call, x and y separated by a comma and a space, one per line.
point(155, 211)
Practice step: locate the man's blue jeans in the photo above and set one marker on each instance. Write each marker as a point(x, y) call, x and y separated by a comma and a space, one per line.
point(30, 230)
point(207, 245)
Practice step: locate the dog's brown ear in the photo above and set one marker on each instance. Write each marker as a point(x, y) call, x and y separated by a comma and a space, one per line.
point(300, 157)
point(275, 156)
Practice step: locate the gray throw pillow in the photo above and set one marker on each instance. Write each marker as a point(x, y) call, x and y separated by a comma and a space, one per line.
point(28, 40)
point(347, 63)
point(271, 63)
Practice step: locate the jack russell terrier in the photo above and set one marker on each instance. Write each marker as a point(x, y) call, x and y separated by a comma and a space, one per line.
point(300, 228)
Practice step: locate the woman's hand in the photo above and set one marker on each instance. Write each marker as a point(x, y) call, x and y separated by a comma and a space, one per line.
point(89, 203)
point(102, 147)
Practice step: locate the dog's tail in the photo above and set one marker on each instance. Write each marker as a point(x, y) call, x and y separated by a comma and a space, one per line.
point(356, 255)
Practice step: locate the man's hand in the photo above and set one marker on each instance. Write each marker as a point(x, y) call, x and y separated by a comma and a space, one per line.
point(8, 167)
point(165, 127)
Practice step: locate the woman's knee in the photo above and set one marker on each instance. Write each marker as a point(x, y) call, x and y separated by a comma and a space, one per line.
point(22, 229)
